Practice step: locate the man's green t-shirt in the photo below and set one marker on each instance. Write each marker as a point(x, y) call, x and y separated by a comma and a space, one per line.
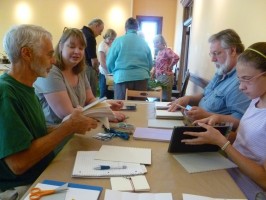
point(21, 121)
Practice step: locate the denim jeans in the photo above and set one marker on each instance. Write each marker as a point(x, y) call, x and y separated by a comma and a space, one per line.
point(102, 86)
point(93, 79)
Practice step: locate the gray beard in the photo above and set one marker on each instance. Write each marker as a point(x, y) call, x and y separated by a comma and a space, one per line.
point(221, 69)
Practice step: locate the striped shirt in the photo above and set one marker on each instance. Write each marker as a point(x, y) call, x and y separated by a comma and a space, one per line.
point(251, 136)
point(250, 142)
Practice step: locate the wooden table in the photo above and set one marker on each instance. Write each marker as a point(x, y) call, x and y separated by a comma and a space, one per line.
point(165, 174)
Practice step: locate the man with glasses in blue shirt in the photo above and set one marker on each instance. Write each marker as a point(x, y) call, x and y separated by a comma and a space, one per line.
point(222, 95)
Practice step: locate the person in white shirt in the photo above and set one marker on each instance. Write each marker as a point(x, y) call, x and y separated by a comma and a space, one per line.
point(103, 48)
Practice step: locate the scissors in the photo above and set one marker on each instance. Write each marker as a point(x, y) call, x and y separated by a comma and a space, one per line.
point(37, 193)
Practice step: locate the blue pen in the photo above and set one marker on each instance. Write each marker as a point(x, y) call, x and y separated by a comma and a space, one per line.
point(104, 167)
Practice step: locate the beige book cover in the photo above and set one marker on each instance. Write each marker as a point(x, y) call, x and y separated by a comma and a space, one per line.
point(130, 183)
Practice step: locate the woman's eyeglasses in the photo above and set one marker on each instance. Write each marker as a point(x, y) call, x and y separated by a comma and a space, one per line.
point(250, 79)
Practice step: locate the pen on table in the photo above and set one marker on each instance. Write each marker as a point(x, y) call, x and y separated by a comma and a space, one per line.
point(104, 167)
point(188, 107)
point(178, 105)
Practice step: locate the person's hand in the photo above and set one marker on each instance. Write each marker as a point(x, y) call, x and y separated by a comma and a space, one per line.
point(196, 113)
point(116, 104)
point(119, 117)
point(211, 120)
point(80, 123)
point(152, 74)
point(210, 136)
point(175, 105)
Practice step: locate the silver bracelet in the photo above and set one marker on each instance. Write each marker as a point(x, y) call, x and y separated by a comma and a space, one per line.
point(225, 145)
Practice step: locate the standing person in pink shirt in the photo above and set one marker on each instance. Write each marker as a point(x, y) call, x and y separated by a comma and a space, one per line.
point(163, 67)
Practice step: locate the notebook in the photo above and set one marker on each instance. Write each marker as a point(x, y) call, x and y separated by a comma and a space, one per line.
point(204, 161)
point(153, 134)
point(74, 191)
point(197, 197)
point(164, 123)
point(124, 154)
point(176, 145)
point(85, 163)
point(117, 195)
point(161, 105)
point(165, 114)
point(137, 183)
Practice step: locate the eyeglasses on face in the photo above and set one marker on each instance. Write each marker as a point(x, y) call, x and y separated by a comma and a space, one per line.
point(215, 53)
point(249, 80)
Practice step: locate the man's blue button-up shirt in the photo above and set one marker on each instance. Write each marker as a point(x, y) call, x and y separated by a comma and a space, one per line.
point(222, 96)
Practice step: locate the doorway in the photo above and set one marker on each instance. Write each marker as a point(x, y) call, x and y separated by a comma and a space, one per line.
point(149, 27)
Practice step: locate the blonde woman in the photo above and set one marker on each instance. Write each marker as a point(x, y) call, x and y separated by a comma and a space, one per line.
point(67, 87)
point(163, 67)
point(103, 48)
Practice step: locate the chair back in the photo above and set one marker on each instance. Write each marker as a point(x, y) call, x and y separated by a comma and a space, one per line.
point(144, 94)
point(185, 83)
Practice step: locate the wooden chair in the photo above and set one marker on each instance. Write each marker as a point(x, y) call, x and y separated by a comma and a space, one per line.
point(176, 93)
point(144, 94)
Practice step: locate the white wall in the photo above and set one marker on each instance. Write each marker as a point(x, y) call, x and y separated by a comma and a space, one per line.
point(53, 15)
point(246, 17)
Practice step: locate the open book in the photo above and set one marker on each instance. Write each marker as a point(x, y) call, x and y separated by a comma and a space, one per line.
point(137, 183)
point(99, 110)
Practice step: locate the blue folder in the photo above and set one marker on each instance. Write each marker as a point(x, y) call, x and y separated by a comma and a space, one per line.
point(73, 185)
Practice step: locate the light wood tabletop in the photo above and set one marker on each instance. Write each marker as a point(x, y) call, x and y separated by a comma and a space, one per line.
point(165, 174)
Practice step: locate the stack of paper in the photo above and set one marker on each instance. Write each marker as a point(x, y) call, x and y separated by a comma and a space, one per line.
point(165, 114)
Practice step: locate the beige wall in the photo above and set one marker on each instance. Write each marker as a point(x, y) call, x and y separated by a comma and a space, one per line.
point(51, 14)
point(246, 17)
point(164, 8)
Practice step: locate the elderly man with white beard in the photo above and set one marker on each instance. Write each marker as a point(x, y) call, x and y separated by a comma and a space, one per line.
point(222, 95)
